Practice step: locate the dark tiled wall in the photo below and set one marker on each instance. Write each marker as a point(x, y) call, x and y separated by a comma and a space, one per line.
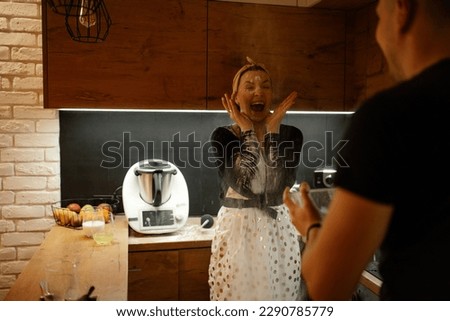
point(98, 148)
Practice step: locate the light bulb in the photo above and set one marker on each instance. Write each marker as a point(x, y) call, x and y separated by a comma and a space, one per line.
point(88, 16)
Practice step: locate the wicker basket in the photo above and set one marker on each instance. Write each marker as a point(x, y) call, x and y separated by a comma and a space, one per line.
point(68, 215)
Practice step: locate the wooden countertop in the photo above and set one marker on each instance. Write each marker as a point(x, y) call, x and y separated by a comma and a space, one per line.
point(105, 267)
point(189, 236)
point(371, 282)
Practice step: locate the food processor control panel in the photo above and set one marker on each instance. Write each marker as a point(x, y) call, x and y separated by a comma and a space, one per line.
point(157, 218)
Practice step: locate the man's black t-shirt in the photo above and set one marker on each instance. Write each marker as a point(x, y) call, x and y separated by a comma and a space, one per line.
point(396, 154)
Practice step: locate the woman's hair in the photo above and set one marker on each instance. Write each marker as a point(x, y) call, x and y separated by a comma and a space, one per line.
point(251, 66)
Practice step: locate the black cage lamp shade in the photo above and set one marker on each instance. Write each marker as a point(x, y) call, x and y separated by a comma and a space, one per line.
point(69, 7)
point(59, 6)
point(86, 20)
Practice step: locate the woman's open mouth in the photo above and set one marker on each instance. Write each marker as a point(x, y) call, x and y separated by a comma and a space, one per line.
point(257, 106)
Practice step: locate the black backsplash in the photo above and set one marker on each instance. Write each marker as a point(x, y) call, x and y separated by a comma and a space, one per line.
point(98, 147)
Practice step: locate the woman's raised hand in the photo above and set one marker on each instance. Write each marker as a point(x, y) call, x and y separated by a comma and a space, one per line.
point(241, 120)
point(273, 121)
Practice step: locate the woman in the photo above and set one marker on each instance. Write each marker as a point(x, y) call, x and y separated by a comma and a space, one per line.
point(255, 251)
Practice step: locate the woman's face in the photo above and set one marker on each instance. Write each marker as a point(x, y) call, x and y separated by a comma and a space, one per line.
point(254, 95)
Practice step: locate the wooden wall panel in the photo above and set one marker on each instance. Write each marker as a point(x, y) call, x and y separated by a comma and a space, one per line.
point(154, 57)
point(173, 54)
point(304, 49)
point(377, 71)
point(343, 4)
point(357, 50)
point(366, 68)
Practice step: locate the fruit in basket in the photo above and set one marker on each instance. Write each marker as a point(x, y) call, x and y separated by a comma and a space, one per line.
point(105, 212)
point(61, 220)
point(77, 211)
point(69, 217)
point(74, 207)
point(56, 214)
point(75, 220)
point(86, 212)
point(85, 215)
point(105, 205)
point(64, 217)
point(87, 208)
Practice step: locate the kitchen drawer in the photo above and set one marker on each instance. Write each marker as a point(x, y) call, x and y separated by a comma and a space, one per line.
point(193, 274)
point(169, 275)
point(153, 276)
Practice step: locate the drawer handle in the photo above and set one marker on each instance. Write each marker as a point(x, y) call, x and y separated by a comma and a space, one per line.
point(134, 270)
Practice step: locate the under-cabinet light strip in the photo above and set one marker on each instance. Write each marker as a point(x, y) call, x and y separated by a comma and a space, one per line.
point(192, 111)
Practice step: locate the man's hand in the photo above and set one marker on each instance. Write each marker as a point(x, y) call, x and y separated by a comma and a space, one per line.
point(304, 213)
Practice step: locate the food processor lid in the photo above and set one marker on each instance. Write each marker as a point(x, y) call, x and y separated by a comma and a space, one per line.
point(154, 165)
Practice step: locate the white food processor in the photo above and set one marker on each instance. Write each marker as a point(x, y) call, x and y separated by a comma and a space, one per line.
point(155, 197)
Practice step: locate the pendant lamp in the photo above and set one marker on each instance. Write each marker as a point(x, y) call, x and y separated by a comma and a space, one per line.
point(86, 20)
point(59, 6)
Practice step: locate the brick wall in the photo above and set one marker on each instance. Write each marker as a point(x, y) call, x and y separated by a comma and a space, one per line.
point(29, 148)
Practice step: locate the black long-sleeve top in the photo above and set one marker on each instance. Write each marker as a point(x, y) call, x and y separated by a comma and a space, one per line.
point(257, 172)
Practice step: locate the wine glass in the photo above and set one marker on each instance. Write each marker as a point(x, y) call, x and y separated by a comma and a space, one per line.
point(93, 222)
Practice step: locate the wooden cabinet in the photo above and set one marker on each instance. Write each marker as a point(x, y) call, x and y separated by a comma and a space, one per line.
point(183, 54)
point(329, 4)
point(193, 274)
point(343, 4)
point(153, 57)
point(173, 275)
point(304, 49)
point(153, 276)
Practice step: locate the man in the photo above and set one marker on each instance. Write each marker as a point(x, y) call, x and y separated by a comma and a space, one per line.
point(394, 193)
